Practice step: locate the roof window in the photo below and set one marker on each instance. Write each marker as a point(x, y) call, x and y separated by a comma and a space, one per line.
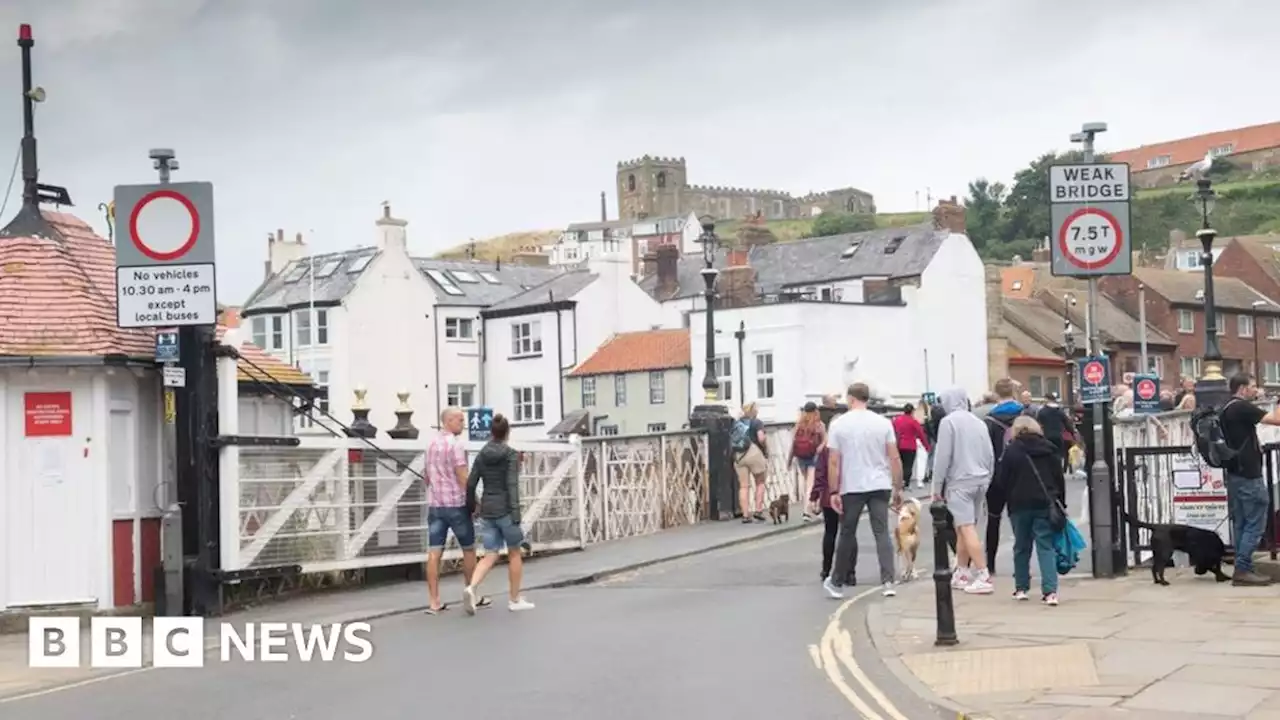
point(443, 281)
point(360, 264)
point(463, 276)
point(894, 244)
point(329, 268)
point(849, 251)
point(490, 278)
point(296, 272)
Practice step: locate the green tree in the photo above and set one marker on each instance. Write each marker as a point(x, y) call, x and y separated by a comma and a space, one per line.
point(837, 223)
point(984, 212)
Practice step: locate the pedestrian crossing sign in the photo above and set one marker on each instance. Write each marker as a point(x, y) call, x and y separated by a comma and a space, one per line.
point(479, 422)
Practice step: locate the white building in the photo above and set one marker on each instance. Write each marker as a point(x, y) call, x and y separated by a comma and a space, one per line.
point(535, 337)
point(681, 231)
point(625, 240)
point(902, 309)
point(377, 318)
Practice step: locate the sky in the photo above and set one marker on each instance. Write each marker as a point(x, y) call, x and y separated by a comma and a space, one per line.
point(486, 117)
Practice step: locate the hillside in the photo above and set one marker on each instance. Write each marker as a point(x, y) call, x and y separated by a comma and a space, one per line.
point(784, 230)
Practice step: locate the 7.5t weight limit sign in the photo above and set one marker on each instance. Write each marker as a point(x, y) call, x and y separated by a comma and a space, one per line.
point(1090, 217)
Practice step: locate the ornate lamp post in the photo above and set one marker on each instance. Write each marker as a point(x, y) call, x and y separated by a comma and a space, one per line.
point(709, 242)
point(1211, 388)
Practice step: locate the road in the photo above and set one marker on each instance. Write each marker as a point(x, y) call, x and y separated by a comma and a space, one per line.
point(744, 632)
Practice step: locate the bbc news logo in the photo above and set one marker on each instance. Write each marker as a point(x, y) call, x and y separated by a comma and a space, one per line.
point(118, 642)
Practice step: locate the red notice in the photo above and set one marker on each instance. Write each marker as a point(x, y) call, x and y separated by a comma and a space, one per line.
point(48, 413)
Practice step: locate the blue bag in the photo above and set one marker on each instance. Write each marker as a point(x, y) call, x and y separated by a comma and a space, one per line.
point(1067, 545)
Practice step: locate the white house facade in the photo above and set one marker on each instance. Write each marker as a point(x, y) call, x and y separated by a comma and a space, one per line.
point(532, 339)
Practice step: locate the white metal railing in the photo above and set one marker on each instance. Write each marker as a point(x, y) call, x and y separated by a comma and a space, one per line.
point(338, 503)
point(640, 484)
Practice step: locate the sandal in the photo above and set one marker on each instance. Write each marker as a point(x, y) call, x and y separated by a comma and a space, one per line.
point(436, 611)
point(484, 602)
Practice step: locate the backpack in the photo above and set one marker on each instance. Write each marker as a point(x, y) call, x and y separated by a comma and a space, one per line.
point(740, 436)
point(1210, 440)
point(804, 445)
point(1008, 435)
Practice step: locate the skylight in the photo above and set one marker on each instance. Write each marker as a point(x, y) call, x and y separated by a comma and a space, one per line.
point(894, 244)
point(329, 267)
point(443, 281)
point(1017, 284)
point(296, 272)
point(490, 278)
point(360, 264)
point(463, 276)
point(849, 251)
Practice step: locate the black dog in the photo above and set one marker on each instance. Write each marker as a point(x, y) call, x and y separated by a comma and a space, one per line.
point(1204, 548)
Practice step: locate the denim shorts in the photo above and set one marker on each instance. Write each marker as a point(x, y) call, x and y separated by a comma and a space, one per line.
point(806, 463)
point(497, 532)
point(440, 520)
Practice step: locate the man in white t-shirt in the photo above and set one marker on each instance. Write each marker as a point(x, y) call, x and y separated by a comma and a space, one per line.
point(864, 456)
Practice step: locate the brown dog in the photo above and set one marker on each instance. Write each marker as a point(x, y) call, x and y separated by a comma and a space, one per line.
point(780, 510)
point(907, 535)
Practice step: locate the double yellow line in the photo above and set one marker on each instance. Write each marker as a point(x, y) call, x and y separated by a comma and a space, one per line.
point(834, 656)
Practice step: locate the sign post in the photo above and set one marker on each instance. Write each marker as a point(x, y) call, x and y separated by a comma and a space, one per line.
point(479, 424)
point(1095, 380)
point(1146, 394)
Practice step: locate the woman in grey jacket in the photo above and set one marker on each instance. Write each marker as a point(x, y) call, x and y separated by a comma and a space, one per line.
point(498, 466)
point(964, 463)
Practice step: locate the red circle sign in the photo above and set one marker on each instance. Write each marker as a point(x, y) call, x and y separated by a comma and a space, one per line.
point(1146, 389)
point(1090, 238)
point(1094, 373)
point(163, 202)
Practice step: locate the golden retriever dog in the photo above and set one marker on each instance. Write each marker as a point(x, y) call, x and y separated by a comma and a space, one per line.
point(907, 536)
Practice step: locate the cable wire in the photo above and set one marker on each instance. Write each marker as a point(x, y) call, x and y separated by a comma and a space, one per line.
point(13, 175)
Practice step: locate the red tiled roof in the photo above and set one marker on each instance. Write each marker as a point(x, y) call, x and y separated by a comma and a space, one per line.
point(57, 297)
point(256, 365)
point(1189, 150)
point(638, 352)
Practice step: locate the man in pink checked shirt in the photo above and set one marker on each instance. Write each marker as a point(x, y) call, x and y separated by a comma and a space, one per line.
point(446, 477)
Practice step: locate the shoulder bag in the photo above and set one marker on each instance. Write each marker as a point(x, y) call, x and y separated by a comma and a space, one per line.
point(1057, 513)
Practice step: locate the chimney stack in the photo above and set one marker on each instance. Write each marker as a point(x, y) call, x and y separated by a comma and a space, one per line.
point(281, 252)
point(649, 265)
point(736, 286)
point(391, 231)
point(949, 216)
point(738, 258)
point(667, 259)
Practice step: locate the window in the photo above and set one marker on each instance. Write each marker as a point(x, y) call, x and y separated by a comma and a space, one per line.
point(463, 276)
point(444, 282)
point(778, 210)
point(631, 183)
point(657, 427)
point(849, 251)
point(1273, 328)
point(321, 377)
point(526, 338)
point(662, 179)
point(359, 265)
point(459, 328)
point(1271, 372)
point(1035, 386)
point(657, 387)
point(608, 429)
point(296, 272)
point(329, 267)
point(620, 390)
point(301, 329)
point(1190, 367)
point(571, 253)
point(527, 404)
point(490, 278)
point(764, 375)
point(277, 332)
point(460, 396)
point(1221, 150)
point(1158, 161)
point(322, 327)
point(1017, 285)
point(1186, 322)
point(1157, 365)
point(1220, 323)
point(259, 325)
point(588, 392)
point(1053, 385)
point(893, 245)
point(1244, 326)
point(724, 374)
point(322, 381)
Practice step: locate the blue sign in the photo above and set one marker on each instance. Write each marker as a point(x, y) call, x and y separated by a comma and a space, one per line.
point(1095, 380)
point(479, 420)
point(930, 398)
point(1146, 394)
point(167, 347)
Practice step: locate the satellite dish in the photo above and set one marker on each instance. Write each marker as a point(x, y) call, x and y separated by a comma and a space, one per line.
point(37, 94)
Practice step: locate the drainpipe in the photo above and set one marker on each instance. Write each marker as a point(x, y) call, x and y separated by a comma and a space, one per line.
point(435, 343)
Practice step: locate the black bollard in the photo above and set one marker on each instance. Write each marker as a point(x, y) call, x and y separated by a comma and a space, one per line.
point(946, 610)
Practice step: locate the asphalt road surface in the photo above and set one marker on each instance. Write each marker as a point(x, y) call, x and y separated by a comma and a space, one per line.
point(741, 633)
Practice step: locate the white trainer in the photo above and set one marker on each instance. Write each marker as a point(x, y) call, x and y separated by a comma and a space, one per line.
point(833, 592)
point(889, 590)
point(520, 605)
point(960, 578)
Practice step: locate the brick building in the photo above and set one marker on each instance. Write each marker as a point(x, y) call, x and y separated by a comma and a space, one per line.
point(1175, 306)
point(1250, 149)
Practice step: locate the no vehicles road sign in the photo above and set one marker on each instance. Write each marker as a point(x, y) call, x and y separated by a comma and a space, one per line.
point(1090, 217)
point(165, 272)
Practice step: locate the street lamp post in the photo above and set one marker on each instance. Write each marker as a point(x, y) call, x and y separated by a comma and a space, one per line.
point(709, 242)
point(1069, 350)
point(711, 415)
point(1211, 388)
point(1257, 359)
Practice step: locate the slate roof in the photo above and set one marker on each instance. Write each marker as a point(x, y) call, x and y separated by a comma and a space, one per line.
point(1265, 250)
point(638, 352)
point(820, 260)
point(349, 265)
point(599, 225)
point(1182, 288)
point(58, 296)
point(561, 287)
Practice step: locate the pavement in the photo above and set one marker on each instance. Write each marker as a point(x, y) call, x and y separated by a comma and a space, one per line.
point(743, 631)
point(1122, 648)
